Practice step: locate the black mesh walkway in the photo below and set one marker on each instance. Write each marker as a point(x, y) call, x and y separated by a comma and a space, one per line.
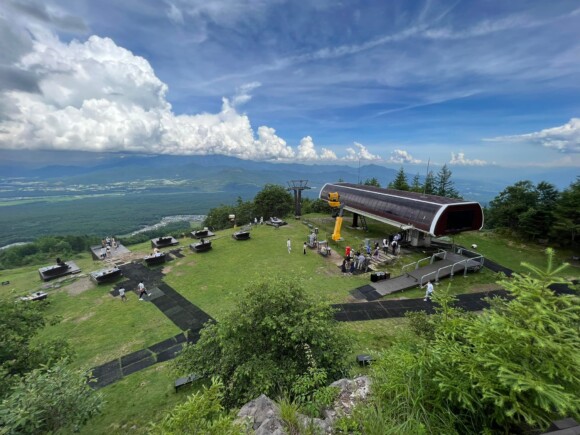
point(178, 309)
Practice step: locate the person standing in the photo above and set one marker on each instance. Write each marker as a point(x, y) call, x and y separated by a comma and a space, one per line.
point(429, 291)
point(122, 294)
point(385, 246)
point(394, 245)
point(289, 245)
point(304, 248)
point(142, 290)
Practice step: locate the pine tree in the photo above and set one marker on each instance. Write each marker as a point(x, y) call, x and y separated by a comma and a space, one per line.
point(416, 184)
point(429, 186)
point(444, 185)
point(400, 182)
point(372, 182)
point(567, 214)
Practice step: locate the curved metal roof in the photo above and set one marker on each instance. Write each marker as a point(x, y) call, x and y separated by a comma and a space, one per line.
point(435, 215)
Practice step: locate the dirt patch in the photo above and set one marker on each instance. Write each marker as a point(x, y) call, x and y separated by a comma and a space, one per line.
point(166, 270)
point(179, 274)
point(485, 287)
point(85, 317)
point(191, 263)
point(79, 286)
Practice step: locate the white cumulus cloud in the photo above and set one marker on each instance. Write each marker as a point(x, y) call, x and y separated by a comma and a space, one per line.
point(460, 160)
point(307, 151)
point(361, 153)
point(97, 96)
point(402, 156)
point(564, 138)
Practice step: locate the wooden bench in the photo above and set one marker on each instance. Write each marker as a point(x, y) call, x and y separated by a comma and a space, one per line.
point(182, 382)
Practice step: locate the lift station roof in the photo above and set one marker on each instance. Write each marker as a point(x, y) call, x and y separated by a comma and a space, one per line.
point(432, 214)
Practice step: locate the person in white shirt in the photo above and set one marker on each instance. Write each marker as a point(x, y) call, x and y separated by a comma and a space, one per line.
point(289, 246)
point(429, 292)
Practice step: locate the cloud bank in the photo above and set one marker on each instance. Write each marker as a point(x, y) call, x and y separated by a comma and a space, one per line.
point(361, 153)
point(460, 160)
point(564, 138)
point(97, 96)
point(401, 156)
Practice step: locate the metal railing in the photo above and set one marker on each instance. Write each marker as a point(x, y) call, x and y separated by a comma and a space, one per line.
point(465, 263)
point(431, 259)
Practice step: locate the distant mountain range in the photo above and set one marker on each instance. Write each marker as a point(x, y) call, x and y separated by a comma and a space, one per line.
point(221, 173)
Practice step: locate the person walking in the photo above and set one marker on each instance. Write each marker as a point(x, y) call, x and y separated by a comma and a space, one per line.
point(142, 290)
point(394, 245)
point(122, 294)
point(289, 245)
point(429, 291)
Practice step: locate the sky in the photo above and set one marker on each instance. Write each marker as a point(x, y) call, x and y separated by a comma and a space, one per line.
point(478, 84)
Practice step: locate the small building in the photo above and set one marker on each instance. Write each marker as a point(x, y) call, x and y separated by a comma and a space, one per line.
point(422, 216)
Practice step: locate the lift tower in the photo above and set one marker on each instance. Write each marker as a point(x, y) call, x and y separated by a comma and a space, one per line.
point(298, 186)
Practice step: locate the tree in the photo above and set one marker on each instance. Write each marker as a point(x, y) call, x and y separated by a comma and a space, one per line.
point(429, 185)
point(19, 323)
point(268, 342)
point(372, 182)
point(218, 217)
point(273, 200)
point(416, 184)
point(48, 399)
point(506, 208)
point(400, 182)
point(444, 185)
point(514, 367)
point(567, 214)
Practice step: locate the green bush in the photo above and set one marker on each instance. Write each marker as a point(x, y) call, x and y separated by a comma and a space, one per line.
point(514, 367)
point(274, 338)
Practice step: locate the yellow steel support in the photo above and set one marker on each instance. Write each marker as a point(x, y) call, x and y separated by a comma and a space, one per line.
point(337, 226)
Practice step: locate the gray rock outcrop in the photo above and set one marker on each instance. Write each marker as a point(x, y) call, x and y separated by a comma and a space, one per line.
point(262, 415)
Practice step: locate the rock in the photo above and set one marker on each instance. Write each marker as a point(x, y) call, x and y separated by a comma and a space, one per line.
point(258, 410)
point(263, 414)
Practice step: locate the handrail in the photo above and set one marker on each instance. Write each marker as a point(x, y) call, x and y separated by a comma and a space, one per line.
point(452, 266)
point(441, 251)
point(431, 259)
point(424, 276)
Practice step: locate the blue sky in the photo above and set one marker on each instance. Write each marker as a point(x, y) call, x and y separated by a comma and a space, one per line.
point(474, 84)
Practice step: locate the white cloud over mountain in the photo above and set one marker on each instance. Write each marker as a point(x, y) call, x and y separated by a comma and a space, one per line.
point(361, 153)
point(97, 96)
point(402, 156)
point(460, 160)
point(564, 138)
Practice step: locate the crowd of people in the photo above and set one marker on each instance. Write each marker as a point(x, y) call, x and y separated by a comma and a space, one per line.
point(108, 244)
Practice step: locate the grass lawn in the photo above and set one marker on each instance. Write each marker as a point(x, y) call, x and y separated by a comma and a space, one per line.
point(136, 400)
point(510, 252)
point(101, 327)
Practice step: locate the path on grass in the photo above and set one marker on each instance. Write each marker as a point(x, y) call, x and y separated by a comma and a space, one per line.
point(186, 316)
point(358, 311)
point(190, 318)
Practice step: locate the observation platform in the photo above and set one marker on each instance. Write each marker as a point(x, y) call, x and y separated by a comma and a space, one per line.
point(443, 264)
point(117, 252)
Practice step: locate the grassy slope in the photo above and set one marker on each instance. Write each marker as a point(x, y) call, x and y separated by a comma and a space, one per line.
point(101, 327)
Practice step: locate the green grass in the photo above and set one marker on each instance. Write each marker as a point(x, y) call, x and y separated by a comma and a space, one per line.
point(137, 400)
point(101, 327)
point(511, 253)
